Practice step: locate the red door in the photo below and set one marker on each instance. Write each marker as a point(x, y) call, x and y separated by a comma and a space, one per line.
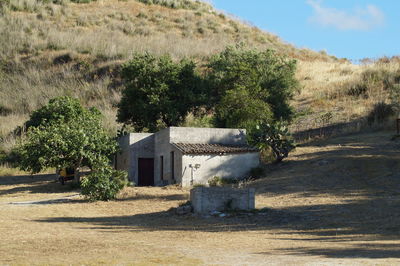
point(146, 172)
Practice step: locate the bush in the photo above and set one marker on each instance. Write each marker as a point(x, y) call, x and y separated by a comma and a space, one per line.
point(218, 181)
point(215, 181)
point(104, 184)
point(380, 113)
point(275, 136)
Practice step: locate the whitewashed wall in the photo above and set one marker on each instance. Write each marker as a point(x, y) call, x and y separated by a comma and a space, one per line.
point(225, 166)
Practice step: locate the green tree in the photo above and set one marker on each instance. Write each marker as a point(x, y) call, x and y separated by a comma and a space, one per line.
point(250, 86)
point(158, 92)
point(71, 136)
point(62, 109)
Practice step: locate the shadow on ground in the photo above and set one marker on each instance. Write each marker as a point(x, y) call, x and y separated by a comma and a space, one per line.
point(365, 165)
point(368, 251)
point(368, 164)
point(32, 184)
point(319, 223)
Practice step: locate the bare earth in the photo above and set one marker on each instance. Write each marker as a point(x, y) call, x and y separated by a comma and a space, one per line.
point(334, 202)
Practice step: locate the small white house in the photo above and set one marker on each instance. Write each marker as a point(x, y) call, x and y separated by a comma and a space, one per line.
point(186, 155)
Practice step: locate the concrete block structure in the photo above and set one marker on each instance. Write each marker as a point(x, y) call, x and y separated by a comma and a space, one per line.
point(186, 156)
point(208, 199)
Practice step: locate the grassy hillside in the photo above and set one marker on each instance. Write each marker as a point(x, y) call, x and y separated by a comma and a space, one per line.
point(47, 49)
point(341, 92)
point(71, 48)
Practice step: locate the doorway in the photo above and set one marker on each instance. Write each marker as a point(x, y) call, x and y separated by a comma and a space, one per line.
point(146, 172)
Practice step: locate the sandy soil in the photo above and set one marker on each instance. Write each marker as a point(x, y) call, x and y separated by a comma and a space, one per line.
point(334, 202)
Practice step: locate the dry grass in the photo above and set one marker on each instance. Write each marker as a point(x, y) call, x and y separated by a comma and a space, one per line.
point(332, 202)
point(102, 33)
point(114, 29)
point(6, 170)
point(335, 92)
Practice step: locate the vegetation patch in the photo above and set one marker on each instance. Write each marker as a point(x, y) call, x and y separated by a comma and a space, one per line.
point(179, 4)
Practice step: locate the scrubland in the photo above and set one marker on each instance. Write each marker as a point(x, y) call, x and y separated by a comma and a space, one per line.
point(76, 49)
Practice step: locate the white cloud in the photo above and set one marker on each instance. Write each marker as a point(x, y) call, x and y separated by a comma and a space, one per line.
point(365, 18)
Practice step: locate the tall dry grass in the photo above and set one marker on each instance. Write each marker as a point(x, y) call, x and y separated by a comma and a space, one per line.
point(337, 92)
point(34, 33)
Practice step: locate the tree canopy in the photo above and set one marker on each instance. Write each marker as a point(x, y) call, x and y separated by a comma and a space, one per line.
point(242, 88)
point(250, 86)
point(62, 109)
point(158, 92)
point(64, 134)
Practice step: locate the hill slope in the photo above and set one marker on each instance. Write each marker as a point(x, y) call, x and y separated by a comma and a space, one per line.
point(76, 49)
point(47, 50)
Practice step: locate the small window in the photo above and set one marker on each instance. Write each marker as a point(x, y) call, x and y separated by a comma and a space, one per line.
point(162, 167)
point(172, 166)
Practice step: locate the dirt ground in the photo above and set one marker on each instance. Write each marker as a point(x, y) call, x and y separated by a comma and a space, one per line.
point(331, 202)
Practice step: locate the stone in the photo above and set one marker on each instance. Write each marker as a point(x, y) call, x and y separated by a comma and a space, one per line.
point(182, 210)
point(221, 199)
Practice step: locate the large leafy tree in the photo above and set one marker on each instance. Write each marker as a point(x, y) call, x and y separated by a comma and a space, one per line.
point(248, 87)
point(61, 109)
point(65, 134)
point(158, 92)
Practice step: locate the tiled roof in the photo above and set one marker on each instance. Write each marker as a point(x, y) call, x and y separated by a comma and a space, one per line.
point(190, 148)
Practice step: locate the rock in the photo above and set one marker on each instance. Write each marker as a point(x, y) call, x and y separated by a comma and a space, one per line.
point(182, 210)
point(323, 162)
point(215, 213)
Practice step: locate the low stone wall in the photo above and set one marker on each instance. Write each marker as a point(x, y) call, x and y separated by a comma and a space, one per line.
point(208, 199)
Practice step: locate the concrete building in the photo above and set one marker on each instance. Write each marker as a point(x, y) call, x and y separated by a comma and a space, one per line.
point(186, 155)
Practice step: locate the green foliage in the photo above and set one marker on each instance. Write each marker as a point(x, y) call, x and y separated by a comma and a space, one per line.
point(218, 181)
point(72, 139)
point(158, 92)
point(214, 181)
point(275, 136)
point(103, 184)
point(3, 157)
point(249, 87)
point(62, 109)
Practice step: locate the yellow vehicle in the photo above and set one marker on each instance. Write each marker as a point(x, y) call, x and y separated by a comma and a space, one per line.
point(65, 174)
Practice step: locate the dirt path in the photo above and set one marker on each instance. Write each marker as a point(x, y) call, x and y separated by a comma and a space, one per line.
point(331, 203)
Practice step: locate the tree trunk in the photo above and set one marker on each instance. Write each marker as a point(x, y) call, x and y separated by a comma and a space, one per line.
point(77, 173)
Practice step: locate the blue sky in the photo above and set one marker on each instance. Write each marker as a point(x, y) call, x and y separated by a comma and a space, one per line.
point(353, 29)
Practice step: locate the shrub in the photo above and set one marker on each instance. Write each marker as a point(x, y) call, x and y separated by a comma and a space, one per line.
point(104, 184)
point(380, 113)
point(215, 181)
point(218, 181)
point(275, 136)
point(4, 111)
